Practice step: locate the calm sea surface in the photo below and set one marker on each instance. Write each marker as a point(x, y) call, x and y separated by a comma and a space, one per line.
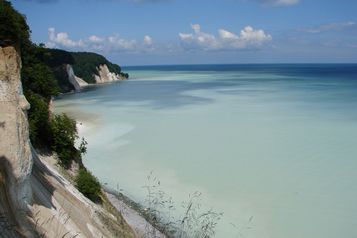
point(274, 147)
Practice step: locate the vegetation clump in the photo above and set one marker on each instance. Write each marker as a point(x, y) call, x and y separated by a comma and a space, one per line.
point(13, 27)
point(88, 185)
point(64, 134)
point(194, 222)
point(39, 121)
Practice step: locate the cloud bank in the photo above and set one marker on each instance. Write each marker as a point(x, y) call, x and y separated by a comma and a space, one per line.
point(97, 43)
point(248, 38)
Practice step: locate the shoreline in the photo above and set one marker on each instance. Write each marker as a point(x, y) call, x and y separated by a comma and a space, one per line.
point(132, 212)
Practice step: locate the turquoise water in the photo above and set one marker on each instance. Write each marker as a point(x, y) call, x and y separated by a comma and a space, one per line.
point(274, 147)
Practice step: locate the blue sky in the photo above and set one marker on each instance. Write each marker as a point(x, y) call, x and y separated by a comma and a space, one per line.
point(141, 32)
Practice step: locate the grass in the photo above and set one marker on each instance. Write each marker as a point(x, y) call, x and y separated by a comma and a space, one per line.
point(158, 209)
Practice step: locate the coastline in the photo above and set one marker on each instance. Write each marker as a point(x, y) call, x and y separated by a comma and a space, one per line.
point(131, 211)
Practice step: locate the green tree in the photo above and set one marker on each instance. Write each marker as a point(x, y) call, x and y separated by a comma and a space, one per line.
point(14, 29)
point(64, 134)
point(38, 119)
point(36, 76)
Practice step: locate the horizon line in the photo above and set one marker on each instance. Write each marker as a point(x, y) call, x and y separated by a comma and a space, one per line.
point(209, 64)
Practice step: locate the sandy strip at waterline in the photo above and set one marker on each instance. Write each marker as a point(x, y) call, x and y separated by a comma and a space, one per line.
point(138, 223)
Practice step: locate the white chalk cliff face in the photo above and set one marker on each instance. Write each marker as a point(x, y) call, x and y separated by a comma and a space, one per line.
point(15, 148)
point(105, 75)
point(77, 82)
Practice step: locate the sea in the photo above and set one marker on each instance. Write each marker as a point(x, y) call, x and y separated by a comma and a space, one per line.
point(271, 146)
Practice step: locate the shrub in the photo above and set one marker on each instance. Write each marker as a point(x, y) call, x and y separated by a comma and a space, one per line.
point(38, 119)
point(88, 185)
point(64, 134)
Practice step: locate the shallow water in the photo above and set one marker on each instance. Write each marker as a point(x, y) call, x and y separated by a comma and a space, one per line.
point(274, 147)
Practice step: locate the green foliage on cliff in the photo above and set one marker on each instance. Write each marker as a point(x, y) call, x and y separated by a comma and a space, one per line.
point(38, 116)
point(57, 59)
point(36, 76)
point(63, 135)
point(13, 28)
point(88, 185)
point(86, 64)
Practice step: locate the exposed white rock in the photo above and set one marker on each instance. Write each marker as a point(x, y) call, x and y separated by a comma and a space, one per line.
point(15, 147)
point(77, 82)
point(105, 75)
point(62, 211)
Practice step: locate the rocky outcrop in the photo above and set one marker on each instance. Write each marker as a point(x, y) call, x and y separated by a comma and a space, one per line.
point(105, 76)
point(77, 82)
point(15, 148)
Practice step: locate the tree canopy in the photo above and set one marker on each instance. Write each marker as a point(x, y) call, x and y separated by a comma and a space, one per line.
point(86, 64)
point(13, 28)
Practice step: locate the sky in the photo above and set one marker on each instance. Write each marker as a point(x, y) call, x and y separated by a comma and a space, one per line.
point(160, 32)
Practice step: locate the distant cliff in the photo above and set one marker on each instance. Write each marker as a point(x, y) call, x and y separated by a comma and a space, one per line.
point(74, 70)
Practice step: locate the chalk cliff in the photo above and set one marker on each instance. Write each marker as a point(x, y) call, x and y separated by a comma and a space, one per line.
point(77, 82)
point(15, 149)
point(36, 200)
point(104, 75)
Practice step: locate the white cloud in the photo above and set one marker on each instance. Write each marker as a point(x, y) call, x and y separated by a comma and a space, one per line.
point(147, 40)
point(279, 2)
point(95, 39)
point(247, 39)
point(63, 39)
point(96, 43)
point(286, 2)
point(196, 27)
point(330, 27)
point(115, 42)
point(226, 35)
